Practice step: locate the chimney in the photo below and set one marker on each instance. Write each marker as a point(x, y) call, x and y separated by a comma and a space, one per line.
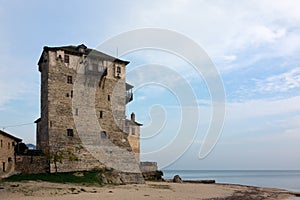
point(133, 117)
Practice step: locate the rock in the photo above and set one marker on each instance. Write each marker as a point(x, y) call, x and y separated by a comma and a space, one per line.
point(177, 179)
point(103, 179)
point(115, 177)
point(14, 185)
point(110, 177)
point(200, 181)
point(153, 176)
point(78, 174)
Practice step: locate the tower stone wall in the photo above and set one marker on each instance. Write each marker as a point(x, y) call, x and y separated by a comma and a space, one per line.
point(83, 105)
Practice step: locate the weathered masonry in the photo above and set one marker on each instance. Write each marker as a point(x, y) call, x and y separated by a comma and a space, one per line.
point(7, 150)
point(83, 104)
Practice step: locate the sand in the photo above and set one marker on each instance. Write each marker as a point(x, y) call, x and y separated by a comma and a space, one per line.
point(33, 190)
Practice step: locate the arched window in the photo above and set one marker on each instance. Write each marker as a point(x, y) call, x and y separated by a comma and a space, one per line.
point(103, 135)
point(118, 69)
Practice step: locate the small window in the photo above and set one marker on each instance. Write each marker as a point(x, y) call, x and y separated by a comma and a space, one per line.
point(76, 111)
point(108, 97)
point(70, 132)
point(9, 159)
point(67, 95)
point(71, 93)
point(67, 59)
point(103, 135)
point(1, 144)
point(101, 114)
point(118, 69)
point(70, 80)
point(3, 166)
point(8, 145)
point(133, 131)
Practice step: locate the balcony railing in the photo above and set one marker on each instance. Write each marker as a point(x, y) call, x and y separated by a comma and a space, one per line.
point(129, 94)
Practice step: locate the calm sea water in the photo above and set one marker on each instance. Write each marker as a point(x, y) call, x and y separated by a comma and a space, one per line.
point(289, 180)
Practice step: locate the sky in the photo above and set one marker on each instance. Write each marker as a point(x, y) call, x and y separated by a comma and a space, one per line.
point(254, 45)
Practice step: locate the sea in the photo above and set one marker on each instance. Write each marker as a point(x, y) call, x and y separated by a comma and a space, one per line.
point(283, 179)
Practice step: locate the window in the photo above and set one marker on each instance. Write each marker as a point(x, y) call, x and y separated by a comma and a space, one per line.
point(108, 97)
point(70, 132)
point(101, 114)
point(76, 111)
point(71, 93)
point(133, 131)
point(118, 69)
point(66, 58)
point(67, 95)
point(69, 80)
point(8, 145)
point(3, 166)
point(103, 135)
point(1, 144)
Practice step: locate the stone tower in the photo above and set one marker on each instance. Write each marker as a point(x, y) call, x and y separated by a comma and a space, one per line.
point(83, 103)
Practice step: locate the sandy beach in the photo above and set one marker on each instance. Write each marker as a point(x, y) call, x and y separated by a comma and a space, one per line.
point(33, 190)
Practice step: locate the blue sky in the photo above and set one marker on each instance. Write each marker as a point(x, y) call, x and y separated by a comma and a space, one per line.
point(254, 45)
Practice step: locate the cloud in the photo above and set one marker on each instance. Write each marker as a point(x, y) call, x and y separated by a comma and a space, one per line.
point(281, 82)
point(253, 109)
point(262, 34)
point(224, 29)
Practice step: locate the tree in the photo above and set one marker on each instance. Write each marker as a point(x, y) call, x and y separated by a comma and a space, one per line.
point(21, 148)
point(55, 157)
point(58, 156)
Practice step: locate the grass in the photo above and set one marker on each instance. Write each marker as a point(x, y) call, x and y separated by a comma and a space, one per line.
point(88, 177)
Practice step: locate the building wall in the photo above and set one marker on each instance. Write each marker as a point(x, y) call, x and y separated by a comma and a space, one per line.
point(133, 130)
point(134, 142)
point(7, 164)
point(59, 112)
point(27, 164)
point(60, 115)
point(149, 166)
point(42, 135)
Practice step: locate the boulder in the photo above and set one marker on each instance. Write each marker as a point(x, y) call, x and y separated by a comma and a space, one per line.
point(120, 178)
point(177, 179)
point(111, 177)
point(153, 176)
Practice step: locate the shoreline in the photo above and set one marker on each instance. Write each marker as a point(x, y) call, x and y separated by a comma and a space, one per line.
point(281, 179)
point(33, 190)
